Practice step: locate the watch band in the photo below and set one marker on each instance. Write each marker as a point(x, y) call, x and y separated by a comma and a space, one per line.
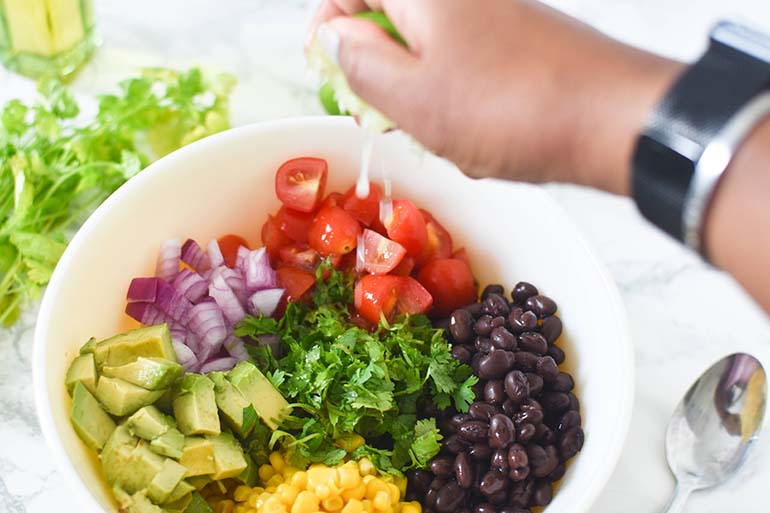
point(734, 70)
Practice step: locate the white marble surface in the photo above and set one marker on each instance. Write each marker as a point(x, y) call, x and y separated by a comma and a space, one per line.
point(683, 314)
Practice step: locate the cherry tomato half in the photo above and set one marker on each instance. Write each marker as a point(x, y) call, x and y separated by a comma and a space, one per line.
point(438, 243)
point(294, 224)
point(228, 245)
point(296, 281)
point(407, 227)
point(300, 183)
point(301, 256)
point(451, 284)
point(381, 255)
point(366, 210)
point(390, 295)
point(333, 199)
point(273, 238)
point(333, 232)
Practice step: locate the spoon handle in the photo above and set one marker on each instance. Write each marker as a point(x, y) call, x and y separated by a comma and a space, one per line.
point(678, 498)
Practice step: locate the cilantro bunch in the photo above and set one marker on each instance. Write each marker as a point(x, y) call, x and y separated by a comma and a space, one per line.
point(345, 380)
point(56, 168)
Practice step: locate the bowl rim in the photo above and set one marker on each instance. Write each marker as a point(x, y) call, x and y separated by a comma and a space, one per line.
point(63, 462)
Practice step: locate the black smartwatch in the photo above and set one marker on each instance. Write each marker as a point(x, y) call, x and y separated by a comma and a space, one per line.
point(690, 137)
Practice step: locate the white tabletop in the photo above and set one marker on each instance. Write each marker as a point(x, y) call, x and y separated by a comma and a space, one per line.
point(684, 315)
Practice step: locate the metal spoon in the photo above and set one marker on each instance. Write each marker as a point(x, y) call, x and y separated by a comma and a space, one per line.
point(714, 425)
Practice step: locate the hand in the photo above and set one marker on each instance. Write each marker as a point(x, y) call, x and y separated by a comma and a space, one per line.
point(504, 88)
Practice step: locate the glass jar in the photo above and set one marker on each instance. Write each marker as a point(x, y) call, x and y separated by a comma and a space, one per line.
point(46, 37)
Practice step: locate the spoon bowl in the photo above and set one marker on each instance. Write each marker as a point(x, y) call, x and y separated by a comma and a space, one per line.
point(715, 424)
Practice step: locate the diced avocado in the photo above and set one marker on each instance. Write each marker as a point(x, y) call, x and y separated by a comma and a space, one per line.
point(164, 402)
point(195, 407)
point(121, 397)
point(198, 456)
point(183, 489)
point(90, 421)
point(149, 423)
point(127, 347)
point(170, 443)
point(179, 506)
point(151, 373)
point(165, 481)
point(250, 474)
point(82, 370)
point(120, 437)
point(199, 481)
point(228, 457)
point(132, 469)
point(239, 413)
point(267, 401)
point(88, 347)
point(135, 503)
point(198, 505)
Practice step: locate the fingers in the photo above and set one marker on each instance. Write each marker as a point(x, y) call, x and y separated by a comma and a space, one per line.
point(333, 8)
point(378, 68)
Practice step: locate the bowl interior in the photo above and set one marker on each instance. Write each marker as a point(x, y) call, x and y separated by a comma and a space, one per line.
point(224, 184)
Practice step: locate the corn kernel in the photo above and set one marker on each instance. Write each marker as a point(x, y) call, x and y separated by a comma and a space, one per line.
point(299, 480)
point(381, 501)
point(287, 472)
point(271, 489)
point(333, 503)
point(348, 476)
point(306, 502)
point(353, 506)
point(277, 461)
point(275, 480)
point(224, 506)
point(317, 475)
point(365, 466)
point(411, 507)
point(368, 506)
point(322, 491)
point(359, 492)
point(273, 505)
point(266, 472)
point(395, 493)
point(374, 487)
point(287, 493)
point(401, 482)
point(241, 493)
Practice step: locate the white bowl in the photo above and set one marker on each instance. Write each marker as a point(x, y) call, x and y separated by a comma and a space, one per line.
point(224, 184)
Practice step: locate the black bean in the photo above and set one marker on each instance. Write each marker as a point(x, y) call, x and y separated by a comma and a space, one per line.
point(503, 339)
point(517, 456)
point(574, 403)
point(543, 494)
point(544, 435)
point(529, 414)
point(562, 383)
point(494, 392)
point(542, 306)
point(525, 433)
point(522, 291)
point(478, 389)
point(502, 432)
point(519, 474)
point(568, 420)
point(551, 328)
point(495, 305)
point(437, 483)
point(449, 498)
point(522, 493)
point(543, 460)
point(571, 443)
point(493, 482)
point(509, 407)
point(457, 419)
point(464, 470)
point(533, 342)
point(461, 354)
point(419, 480)
point(496, 364)
point(475, 359)
point(455, 444)
point(516, 386)
point(526, 361)
point(442, 467)
point(535, 384)
point(474, 430)
point(546, 368)
point(484, 507)
point(499, 460)
point(480, 452)
point(492, 289)
point(474, 309)
point(499, 498)
point(520, 320)
point(554, 402)
point(483, 345)
point(483, 325)
point(557, 473)
point(497, 322)
point(557, 354)
point(481, 411)
point(512, 509)
point(430, 496)
point(461, 326)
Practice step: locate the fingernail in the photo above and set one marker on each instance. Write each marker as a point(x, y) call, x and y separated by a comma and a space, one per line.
point(329, 40)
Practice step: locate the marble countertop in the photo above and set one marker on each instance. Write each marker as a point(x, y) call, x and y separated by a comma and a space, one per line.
point(683, 314)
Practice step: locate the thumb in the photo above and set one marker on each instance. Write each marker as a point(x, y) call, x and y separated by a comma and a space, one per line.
point(378, 68)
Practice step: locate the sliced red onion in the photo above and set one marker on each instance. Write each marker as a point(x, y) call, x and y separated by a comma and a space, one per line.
point(147, 313)
point(144, 290)
point(235, 281)
point(208, 323)
point(218, 364)
point(173, 303)
point(185, 356)
point(265, 302)
point(237, 349)
point(193, 255)
point(215, 254)
point(169, 256)
point(190, 284)
point(240, 259)
point(225, 297)
point(258, 273)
